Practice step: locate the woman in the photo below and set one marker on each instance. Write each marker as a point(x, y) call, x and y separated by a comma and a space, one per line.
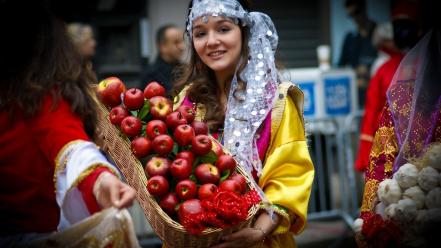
point(52, 175)
point(83, 39)
point(232, 81)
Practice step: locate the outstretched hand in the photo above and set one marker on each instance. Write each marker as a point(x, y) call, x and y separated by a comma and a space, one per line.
point(246, 237)
point(109, 191)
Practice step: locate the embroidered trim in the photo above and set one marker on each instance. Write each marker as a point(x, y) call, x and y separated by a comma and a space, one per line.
point(370, 196)
point(87, 172)
point(62, 158)
point(366, 137)
point(177, 101)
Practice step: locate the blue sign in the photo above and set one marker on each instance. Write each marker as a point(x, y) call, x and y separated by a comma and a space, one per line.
point(337, 95)
point(309, 94)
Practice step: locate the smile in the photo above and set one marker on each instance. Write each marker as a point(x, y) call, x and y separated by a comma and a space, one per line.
point(216, 54)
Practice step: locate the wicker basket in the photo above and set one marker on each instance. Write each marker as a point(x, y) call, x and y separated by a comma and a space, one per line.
point(171, 232)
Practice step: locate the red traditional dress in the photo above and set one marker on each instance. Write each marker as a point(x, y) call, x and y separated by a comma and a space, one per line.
point(375, 101)
point(48, 167)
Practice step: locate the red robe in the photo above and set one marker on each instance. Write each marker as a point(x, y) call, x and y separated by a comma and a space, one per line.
point(375, 101)
point(27, 162)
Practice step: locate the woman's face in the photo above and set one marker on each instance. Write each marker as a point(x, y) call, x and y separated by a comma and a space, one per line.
point(218, 43)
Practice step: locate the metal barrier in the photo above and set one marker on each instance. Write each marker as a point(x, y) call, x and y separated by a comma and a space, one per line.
point(337, 189)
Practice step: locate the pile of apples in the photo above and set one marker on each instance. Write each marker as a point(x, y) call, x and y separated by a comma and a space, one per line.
point(183, 164)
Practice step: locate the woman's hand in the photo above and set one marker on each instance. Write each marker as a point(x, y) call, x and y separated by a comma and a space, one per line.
point(246, 237)
point(110, 191)
point(251, 236)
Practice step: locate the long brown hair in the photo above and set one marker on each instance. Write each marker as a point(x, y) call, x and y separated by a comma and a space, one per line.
point(203, 87)
point(38, 58)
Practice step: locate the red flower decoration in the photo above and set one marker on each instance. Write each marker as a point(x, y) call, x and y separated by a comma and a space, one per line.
point(380, 233)
point(224, 209)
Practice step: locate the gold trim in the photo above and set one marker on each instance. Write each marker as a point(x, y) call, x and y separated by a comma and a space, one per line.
point(88, 171)
point(366, 137)
point(369, 196)
point(177, 101)
point(58, 165)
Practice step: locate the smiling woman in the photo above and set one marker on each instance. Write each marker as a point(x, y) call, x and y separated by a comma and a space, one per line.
point(232, 83)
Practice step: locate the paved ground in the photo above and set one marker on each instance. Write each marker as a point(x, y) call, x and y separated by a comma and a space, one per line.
point(318, 234)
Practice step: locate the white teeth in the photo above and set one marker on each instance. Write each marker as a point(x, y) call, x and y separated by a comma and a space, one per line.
point(217, 53)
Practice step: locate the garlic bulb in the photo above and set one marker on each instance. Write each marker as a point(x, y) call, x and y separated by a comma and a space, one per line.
point(389, 191)
point(405, 211)
point(416, 194)
point(428, 178)
point(422, 219)
point(433, 198)
point(357, 225)
point(433, 157)
point(407, 175)
point(379, 209)
point(389, 212)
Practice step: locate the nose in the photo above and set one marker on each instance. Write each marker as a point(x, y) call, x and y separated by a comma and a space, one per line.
point(212, 39)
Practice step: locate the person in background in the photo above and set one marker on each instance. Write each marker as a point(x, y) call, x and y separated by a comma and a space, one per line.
point(357, 51)
point(52, 174)
point(170, 45)
point(83, 39)
point(232, 81)
point(406, 33)
point(383, 40)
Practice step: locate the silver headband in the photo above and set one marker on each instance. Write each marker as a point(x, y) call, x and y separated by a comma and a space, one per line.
point(246, 112)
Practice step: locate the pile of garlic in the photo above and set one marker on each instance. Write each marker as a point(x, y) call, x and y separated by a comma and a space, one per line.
point(412, 197)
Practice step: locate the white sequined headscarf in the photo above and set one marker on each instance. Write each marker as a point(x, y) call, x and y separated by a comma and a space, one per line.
point(246, 112)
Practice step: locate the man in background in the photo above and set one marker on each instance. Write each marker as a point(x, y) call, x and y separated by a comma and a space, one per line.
point(170, 44)
point(358, 51)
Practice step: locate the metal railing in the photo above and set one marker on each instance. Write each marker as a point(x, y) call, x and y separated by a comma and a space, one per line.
point(336, 191)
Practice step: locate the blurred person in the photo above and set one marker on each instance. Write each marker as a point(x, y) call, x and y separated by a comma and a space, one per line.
point(232, 81)
point(170, 45)
point(405, 22)
point(357, 51)
point(83, 39)
point(52, 174)
point(383, 40)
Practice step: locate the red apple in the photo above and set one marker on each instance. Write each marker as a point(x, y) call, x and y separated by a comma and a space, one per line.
point(141, 146)
point(230, 185)
point(131, 126)
point(217, 148)
point(206, 191)
point(180, 169)
point(241, 180)
point(163, 144)
point(153, 89)
point(157, 166)
point(117, 114)
point(158, 186)
point(169, 202)
point(189, 207)
point(183, 134)
point(155, 128)
point(201, 144)
point(133, 99)
point(186, 189)
point(109, 91)
point(160, 107)
point(175, 119)
point(226, 162)
point(200, 127)
point(188, 112)
point(207, 173)
point(188, 155)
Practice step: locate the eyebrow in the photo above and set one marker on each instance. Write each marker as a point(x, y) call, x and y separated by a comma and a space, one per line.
point(217, 22)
